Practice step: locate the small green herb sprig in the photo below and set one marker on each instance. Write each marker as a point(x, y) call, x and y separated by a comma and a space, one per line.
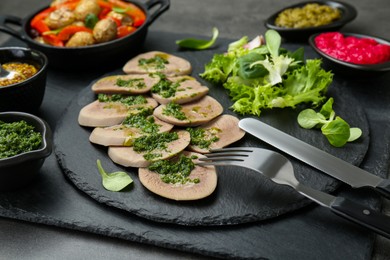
point(336, 130)
point(198, 44)
point(115, 181)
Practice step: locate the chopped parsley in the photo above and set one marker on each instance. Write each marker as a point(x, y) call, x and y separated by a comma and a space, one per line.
point(17, 138)
point(124, 99)
point(203, 138)
point(173, 109)
point(167, 88)
point(138, 83)
point(143, 122)
point(150, 143)
point(175, 171)
point(157, 62)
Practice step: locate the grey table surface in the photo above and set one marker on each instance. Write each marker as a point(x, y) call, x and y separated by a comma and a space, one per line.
point(22, 240)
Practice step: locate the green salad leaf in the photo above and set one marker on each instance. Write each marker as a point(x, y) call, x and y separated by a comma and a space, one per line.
point(115, 181)
point(267, 76)
point(198, 44)
point(334, 128)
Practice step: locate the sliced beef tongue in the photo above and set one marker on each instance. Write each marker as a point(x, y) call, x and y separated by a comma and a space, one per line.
point(195, 113)
point(156, 61)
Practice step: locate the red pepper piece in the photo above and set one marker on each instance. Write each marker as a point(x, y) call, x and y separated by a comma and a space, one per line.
point(103, 13)
point(125, 30)
point(104, 4)
point(41, 16)
point(40, 26)
point(69, 30)
point(53, 40)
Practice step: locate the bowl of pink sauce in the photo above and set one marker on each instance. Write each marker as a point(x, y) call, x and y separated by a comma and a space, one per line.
point(353, 54)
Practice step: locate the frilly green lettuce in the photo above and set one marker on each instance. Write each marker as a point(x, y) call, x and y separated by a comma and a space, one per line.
point(267, 76)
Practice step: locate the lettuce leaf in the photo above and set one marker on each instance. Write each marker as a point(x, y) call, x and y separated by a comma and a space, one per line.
point(257, 79)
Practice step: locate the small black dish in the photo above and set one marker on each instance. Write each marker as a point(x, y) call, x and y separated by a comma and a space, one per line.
point(19, 170)
point(348, 13)
point(27, 95)
point(352, 69)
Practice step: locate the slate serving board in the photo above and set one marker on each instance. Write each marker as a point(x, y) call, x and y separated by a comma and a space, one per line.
point(242, 195)
point(309, 233)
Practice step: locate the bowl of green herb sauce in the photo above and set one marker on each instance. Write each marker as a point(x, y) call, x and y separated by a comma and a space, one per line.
point(25, 142)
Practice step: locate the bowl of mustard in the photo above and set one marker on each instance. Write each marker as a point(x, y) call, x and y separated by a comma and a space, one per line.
point(297, 22)
point(22, 79)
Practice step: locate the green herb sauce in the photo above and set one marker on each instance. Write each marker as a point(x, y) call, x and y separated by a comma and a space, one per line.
point(157, 62)
point(143, 122)
point(124, 99)
point(167, 88)
point(175, 172)
point(17, 138)
point(173, 109)
point(137, 83)
point(155, 141)
point(203, 138)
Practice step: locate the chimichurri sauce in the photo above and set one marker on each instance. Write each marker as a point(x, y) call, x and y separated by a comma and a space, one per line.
point(165, 87)
point(154, 142)
point(157, 62)
point(173, 109)
point(143, 122)
point(175, 171)
point(203, 138)
point(124, 99)
point(137, 83)
point(17, 138)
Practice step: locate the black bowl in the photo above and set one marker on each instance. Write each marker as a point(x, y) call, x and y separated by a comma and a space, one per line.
point(105, 54)
point(19, 170)
point(352, 69)
point(348, 13)
point(27, 95)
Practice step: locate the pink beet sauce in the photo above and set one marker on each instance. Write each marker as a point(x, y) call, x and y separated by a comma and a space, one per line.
point(353, 49)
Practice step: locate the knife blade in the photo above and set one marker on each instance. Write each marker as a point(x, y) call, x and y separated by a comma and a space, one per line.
point(319, 159)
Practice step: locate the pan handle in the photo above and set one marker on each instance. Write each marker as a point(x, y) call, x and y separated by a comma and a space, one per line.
point(6, 20)
point(163, 6)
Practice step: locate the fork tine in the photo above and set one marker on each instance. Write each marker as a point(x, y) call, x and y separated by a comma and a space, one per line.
point(217, 158)
point(219, 163)
point(232, 149)
point(226, 156)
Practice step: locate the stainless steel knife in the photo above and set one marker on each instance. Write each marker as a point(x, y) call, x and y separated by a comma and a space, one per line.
point(323, 161)
point(280, 170)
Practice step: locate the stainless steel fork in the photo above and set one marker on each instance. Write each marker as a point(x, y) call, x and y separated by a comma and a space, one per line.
point(280, 170)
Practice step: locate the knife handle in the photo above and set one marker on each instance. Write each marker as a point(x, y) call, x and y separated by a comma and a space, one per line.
point(384, 188)
point(362, 215)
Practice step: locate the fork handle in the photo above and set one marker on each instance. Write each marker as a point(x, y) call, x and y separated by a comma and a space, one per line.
point(362, 215)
